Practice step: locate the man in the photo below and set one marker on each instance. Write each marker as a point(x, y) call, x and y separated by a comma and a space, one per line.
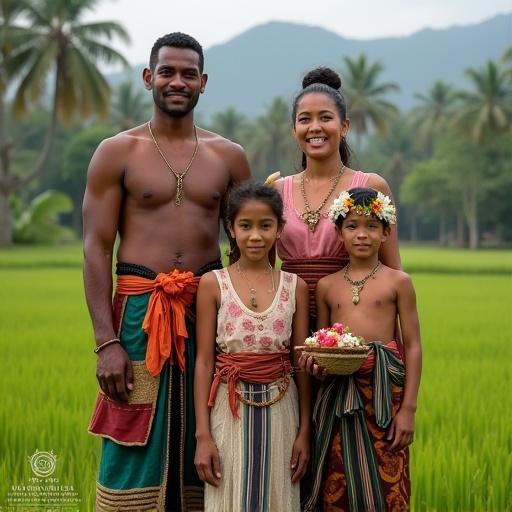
point(161, 187)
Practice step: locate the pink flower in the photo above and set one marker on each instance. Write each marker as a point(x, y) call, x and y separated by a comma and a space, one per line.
point(288, 278)
point(338, 327)
point(234, 309)
point(229, 328)
point(328, 339)
point(249, 339)
point(266, 341)
point(248, 325)
point(278, 326)
point(285, 295)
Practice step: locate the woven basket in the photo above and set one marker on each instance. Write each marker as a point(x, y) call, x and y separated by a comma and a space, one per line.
point(339, 361)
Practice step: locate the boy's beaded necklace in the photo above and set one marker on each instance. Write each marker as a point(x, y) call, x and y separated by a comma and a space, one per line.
point(357, 286)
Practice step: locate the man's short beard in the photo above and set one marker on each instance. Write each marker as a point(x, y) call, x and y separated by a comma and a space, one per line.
point(178, 113)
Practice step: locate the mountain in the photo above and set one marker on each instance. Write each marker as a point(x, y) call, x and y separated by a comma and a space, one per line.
point(269, 60)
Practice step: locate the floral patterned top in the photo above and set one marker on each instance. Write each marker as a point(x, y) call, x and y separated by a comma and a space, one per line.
point(239, 329)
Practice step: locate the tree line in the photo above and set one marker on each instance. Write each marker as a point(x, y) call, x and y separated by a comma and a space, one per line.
point(448, 160)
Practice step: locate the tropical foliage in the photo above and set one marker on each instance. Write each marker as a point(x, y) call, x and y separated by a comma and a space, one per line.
point(448, 160)
point(44, 39)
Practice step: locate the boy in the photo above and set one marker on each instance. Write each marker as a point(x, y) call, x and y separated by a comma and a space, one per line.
point(365, 421)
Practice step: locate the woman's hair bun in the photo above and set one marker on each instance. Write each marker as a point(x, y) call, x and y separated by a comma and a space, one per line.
point(321, 75)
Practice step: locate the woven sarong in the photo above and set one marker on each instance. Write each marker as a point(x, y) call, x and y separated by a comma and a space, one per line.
point(312, 270)
point(147, 460)
point(352, 466)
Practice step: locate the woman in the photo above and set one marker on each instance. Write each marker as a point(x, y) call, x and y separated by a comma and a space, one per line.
point(308, 245)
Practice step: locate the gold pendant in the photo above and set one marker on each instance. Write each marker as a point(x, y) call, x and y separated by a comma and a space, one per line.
point(254, 303)
point(311, 219)
point(355, 294)
point(179, 189)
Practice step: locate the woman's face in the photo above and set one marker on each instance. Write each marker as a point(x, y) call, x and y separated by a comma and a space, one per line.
point(318, 126)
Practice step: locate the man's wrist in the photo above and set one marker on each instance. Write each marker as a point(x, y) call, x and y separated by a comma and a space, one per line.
point(105, 344)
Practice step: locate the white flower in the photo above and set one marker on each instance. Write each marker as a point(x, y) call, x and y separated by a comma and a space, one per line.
point(311, 341)
point(340, 206)
point(387, 211)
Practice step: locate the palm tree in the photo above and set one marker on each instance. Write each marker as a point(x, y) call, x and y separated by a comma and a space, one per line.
point(433, 113)
point(365, 97)
point(57, 44)
point(229, 124)
point(129, 107)
point(489, 108)
point(271, 147)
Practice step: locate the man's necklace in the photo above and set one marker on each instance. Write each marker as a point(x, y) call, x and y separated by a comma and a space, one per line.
point(180, 176)
point(252, 301)
point(312, 217)
point(357, 286)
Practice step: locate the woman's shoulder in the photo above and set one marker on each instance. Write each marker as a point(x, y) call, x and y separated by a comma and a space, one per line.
point(378, 182)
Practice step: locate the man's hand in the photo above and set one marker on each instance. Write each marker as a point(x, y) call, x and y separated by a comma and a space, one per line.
point(114, 372)
point(207, 461)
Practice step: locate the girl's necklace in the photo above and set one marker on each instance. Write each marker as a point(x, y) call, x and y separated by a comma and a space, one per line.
point(357, 286)
point(252, 301)
point(312, 217)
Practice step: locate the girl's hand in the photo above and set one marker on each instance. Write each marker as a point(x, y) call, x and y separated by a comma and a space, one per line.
point(307, 363)
point(300, 457)
point(207, 461)
point(401, 430)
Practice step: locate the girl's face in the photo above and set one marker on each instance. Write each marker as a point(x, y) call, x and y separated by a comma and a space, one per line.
point(318, 126)
point(255, 230)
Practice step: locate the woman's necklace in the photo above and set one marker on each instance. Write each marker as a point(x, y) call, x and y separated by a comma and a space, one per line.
point(180, 176)
point(312, 217)
point(252, 301)
point(357, 286)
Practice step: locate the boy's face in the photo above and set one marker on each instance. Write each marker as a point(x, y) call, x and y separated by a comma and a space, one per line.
point(362, 235)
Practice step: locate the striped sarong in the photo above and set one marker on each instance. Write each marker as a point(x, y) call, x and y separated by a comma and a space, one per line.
point(352, 463)
point(148, 447)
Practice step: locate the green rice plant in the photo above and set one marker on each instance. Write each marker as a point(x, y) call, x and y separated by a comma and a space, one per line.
point(461, 459)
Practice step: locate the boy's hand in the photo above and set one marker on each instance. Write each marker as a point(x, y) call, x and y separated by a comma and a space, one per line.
point(300, 457)
point(401, 430)
point(207, 461)
point(307, 363)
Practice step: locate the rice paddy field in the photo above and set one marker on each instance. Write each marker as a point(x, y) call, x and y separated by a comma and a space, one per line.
point(462, 456)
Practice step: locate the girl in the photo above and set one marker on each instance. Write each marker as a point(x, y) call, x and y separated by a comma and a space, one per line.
point(308, 245)
point(253, 445)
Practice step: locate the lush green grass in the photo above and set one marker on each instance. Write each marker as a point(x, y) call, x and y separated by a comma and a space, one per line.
point(461, 459)
point(415, 259)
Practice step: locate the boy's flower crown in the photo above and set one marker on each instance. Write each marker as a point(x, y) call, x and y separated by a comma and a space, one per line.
point(381, 207)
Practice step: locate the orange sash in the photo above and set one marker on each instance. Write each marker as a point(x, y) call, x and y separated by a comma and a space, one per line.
point(164, 322)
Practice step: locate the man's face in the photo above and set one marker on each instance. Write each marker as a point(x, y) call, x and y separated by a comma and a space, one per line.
point(176, 81)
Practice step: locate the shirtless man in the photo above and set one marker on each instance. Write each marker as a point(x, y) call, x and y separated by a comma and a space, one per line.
point(160, 186)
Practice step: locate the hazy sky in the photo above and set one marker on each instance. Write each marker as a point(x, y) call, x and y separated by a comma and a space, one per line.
point(216, 21)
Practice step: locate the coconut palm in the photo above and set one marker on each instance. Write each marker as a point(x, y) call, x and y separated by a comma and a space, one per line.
point(489, 108)
point(56, 44)
point(271, 147)
point(433, 113)
point(229, 124)
point(129, 107)
point(365, 97)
